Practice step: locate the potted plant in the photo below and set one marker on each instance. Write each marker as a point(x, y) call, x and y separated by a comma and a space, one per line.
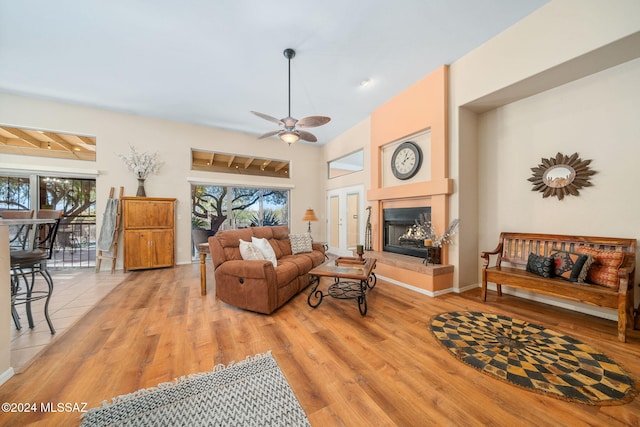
point(199, 231)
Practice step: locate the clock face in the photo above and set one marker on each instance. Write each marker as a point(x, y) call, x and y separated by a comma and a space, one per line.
point(406, 160)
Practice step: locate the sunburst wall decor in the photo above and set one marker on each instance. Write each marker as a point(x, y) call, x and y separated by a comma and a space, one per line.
point(561, 176)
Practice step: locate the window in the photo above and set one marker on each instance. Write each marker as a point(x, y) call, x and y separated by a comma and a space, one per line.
point(216, 208)
point(345, 165)
point(76, 197)
point(43, 143)
point(237, 164)
point(15, 192)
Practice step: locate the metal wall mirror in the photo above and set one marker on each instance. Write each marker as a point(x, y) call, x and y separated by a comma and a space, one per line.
point(345, 165)
point(561, 176)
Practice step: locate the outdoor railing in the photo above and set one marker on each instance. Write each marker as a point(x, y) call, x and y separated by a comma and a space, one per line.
point(75, 245)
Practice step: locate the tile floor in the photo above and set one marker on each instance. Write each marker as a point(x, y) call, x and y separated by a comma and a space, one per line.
point(75, 292)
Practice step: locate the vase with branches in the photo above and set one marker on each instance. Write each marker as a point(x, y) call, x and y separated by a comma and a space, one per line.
point(142, 165)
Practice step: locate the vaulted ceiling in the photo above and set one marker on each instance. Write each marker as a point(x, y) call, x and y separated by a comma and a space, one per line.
point(212, 62)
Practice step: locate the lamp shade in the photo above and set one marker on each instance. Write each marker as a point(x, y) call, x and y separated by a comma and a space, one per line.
point(289, 137)
point(309, 215)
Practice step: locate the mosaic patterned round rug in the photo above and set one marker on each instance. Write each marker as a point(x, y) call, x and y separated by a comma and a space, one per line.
point(533, 357)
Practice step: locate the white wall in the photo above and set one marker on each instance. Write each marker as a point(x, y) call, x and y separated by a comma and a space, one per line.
point(596, 117)
point(563, 79)
point(356, 138)
point(114, 132)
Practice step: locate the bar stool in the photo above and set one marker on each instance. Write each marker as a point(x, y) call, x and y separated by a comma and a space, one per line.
point(33, 260)
point(18, 236)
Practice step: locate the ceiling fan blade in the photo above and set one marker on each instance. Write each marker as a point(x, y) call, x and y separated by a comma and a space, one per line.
point(268, 117)
point(307, 136)
point(268, 134)
point(313, 121)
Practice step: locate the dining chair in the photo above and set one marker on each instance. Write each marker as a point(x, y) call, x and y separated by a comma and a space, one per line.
point(26, 263)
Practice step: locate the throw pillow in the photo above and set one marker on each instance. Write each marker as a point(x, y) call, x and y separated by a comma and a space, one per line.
point(604, 271)
point(569, 265)
point(542, 266)
point(249, 251)
point(300, 243)
point(266, 249)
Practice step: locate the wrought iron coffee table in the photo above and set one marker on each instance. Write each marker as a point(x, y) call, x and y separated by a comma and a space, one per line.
point(352, 279)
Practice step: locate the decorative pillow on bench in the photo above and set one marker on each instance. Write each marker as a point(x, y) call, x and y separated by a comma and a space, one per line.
point(604, 271)
point(571, 266)
point(542, 266)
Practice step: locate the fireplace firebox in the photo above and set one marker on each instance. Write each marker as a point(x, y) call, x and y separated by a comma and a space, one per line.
point(396, 223)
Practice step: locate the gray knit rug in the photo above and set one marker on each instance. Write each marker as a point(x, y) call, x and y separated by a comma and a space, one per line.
point(253, 392)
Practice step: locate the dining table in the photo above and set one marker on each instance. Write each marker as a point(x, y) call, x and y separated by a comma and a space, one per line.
point(5, 291)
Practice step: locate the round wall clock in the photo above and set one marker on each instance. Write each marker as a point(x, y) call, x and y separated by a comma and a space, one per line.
point(406, 160)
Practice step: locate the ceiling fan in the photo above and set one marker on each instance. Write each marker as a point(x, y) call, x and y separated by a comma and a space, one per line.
point(290, 131)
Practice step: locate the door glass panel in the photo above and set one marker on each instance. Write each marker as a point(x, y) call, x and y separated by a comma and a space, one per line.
point(353, 207)
point(76, 238)
point(334, 211)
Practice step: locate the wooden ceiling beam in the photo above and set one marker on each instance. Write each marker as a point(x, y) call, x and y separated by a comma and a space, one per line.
point(281, 166)
point(231, 159)
point(89, 140)
point(61, 142)
point(24, 136)
point(248, 162)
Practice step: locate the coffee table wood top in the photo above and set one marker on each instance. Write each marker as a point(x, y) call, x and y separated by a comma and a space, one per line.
point(348, 270)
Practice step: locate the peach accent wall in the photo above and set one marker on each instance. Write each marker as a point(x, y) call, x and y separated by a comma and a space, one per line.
point(422, 106)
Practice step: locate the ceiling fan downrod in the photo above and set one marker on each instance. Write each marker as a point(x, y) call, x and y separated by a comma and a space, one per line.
point(289, 54)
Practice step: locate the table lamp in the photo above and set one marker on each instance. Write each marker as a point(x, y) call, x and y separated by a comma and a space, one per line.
point(309, 216)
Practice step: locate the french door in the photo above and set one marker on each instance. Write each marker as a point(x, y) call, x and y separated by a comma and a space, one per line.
point(345, 219)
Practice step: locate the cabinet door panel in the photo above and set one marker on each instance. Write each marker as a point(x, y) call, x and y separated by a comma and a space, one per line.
point(162, 248)
point(136, 250)
point(149, 214)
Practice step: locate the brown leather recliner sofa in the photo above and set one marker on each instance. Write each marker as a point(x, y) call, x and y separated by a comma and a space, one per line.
point(257, 285)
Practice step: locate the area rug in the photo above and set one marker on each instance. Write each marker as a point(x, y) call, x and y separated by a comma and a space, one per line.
point(253, 392)
point(533, 357)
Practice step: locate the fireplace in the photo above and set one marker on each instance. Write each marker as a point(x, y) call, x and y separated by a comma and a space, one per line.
point(396, 223)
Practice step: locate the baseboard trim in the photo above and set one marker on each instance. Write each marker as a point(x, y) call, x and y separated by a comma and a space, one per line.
point(4, 377)
point(414, 288)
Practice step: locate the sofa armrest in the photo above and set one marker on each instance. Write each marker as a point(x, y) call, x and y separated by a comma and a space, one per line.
point(318, 247)
point(251, 285)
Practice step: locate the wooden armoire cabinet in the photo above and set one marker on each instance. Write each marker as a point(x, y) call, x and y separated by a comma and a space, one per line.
point(148, 225)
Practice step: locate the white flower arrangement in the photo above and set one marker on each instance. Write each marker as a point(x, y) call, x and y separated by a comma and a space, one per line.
point(141, 164)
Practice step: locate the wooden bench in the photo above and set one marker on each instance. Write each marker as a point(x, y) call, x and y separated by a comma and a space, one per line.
point(514, 249)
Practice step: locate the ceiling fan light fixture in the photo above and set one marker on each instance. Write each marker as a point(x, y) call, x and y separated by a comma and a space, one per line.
point(289, 136)
point(290, 132)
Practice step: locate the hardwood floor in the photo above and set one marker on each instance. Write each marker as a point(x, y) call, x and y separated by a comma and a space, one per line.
point(385, 369)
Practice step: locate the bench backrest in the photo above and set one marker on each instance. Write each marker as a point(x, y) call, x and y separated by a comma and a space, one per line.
point(516, 247)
